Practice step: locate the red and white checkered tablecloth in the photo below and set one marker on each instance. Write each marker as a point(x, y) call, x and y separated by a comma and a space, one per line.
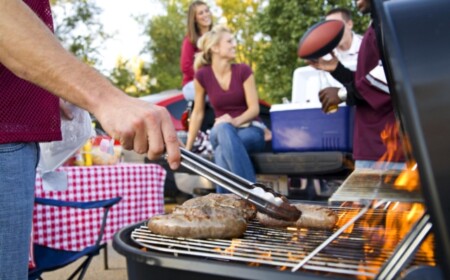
point(139, 185)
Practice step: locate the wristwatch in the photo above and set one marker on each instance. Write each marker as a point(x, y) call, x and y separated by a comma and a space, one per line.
point(342, 93)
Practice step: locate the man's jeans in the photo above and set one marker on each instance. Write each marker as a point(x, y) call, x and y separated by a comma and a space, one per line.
point(18, 163)
point(232, 147)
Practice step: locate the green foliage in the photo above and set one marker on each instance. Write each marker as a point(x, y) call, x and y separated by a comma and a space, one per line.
point(78, 28)
point(127, 75)
point(239, 15)
point(166, 33)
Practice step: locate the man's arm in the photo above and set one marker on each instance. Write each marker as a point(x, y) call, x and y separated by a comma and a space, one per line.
point(31, 51)
point(347, 78)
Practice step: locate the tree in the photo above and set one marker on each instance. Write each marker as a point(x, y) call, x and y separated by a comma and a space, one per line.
point(239, 16)
point(78, 28)
point(165, 34)
point(128, 76)
point(282, 24)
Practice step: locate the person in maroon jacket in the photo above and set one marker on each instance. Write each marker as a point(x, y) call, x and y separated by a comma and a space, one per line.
point(198, 23)
point(35, 71)
point(367, 90)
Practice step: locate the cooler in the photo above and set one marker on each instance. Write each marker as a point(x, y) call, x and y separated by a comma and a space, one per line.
point(296, 128)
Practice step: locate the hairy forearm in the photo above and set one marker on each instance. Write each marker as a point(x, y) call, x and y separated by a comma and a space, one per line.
point(32, 52)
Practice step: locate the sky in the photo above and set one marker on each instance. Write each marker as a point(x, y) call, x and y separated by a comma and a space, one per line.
point(117, 17)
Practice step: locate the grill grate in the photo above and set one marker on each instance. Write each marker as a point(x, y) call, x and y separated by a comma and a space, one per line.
point(370, 185)
point(358, 252)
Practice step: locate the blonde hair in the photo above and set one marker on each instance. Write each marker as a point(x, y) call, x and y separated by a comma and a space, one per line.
point(205, 44)
point(193, 31)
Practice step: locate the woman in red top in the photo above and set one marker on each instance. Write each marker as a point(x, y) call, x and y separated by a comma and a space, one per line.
point(232, 93)
point(199, 22)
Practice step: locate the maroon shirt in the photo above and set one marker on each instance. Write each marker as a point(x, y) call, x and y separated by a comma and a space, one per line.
point(27, 112)
point(231, 101)
point(376, 110)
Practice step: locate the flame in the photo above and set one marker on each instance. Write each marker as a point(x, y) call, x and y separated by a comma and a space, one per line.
point(409, 178)
point(267, 256)
point(230, 249)
point(346, 216)
point(384, 232)
point(390, 138)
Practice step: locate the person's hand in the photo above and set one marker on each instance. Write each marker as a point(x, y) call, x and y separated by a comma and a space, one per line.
point(323, 64)
point(225, 118)
point(140, 126)
point(328, 97)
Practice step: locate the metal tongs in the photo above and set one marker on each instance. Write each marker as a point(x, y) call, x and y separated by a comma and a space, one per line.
point(265, 199)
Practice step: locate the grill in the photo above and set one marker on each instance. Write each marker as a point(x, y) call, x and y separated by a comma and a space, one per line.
point(335, 252)
point(415, 49)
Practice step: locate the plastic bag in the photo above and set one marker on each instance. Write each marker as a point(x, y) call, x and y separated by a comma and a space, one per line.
point(75, 133)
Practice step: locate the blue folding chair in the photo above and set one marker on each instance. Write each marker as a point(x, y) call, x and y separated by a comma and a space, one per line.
point(49, 259)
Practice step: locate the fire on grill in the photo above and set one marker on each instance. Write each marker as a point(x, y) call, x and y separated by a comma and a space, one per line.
point(362, 241)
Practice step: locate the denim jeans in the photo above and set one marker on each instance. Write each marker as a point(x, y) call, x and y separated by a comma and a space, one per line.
point(18, 162)
point(371, 164)
point(232, 147)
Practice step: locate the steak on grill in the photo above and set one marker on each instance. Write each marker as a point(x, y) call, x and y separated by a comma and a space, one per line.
point(209, 216)
point(247, 209)
point(203, 221)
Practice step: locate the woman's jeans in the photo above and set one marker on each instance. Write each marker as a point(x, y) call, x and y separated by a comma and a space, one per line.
point(18, 162)
point(232, 147)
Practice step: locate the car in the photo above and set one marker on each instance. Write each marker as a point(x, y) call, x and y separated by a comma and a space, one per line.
point(173, 100)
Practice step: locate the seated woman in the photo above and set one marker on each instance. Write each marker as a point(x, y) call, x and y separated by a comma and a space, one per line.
point(232, 93)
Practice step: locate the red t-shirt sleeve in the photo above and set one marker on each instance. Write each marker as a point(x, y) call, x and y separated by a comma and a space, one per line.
point(245, 72)
point(200, 76)
point(188, 51)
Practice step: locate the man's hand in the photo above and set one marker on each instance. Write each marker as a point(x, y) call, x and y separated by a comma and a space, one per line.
point(323, 64)
point(329, 97)
point(140, 126)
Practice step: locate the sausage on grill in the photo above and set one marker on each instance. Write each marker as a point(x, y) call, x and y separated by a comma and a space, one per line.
point(313, 216)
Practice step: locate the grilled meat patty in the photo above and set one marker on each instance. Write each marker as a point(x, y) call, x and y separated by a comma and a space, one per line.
point(313, 216)
point(247, 209)
point(210, 216)
point(201, 222)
